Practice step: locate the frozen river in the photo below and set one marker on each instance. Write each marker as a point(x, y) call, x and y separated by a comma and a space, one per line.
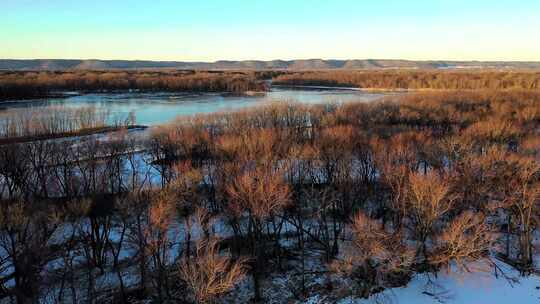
point(157, 108)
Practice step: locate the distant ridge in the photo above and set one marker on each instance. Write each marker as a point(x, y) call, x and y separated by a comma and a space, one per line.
point(304, 64)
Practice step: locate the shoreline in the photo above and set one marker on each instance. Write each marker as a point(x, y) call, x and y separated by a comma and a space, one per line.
point(83, 132)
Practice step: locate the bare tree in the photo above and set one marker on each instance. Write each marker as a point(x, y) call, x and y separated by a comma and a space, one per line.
point(209, 275)
point(27, 230)
point(377, 258)
point(467, 239)
point(158, 236)
point(259, 194)
point(429, 198)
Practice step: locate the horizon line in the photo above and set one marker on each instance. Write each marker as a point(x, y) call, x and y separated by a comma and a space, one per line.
point(270, 60)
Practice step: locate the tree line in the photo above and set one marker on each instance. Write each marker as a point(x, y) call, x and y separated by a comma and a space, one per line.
point(16, 85)
point(412, 79)
point(361, 195)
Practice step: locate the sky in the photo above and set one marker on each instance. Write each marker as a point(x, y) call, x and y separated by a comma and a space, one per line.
point(210, 30)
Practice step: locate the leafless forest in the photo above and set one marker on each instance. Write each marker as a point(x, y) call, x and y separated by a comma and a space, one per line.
point(17, 85)
point(211, 208)
point(421, 79)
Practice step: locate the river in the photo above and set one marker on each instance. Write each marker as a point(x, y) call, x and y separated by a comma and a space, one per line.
point(158, 108)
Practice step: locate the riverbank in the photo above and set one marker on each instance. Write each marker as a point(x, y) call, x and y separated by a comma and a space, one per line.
point(83, 132)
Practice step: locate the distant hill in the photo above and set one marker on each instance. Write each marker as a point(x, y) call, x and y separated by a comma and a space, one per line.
point(307, 64)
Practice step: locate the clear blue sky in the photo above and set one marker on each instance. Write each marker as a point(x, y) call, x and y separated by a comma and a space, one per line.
point(208, 30)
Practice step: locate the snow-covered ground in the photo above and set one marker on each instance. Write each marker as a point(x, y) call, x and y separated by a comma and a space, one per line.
point(480, 287)
point(467, 288)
